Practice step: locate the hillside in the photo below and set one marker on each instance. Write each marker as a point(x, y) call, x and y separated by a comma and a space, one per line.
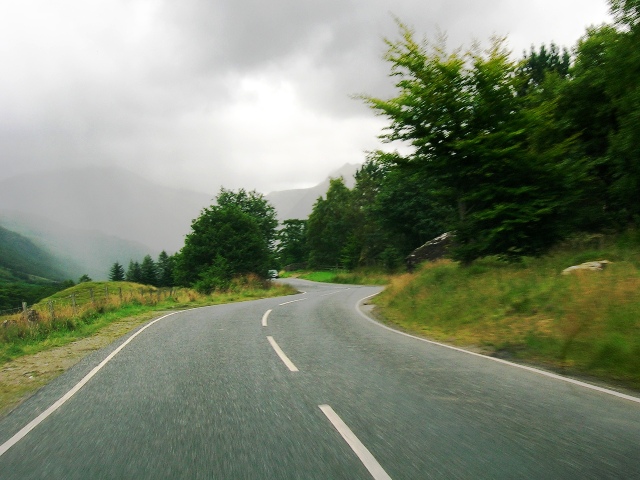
point(109, 201)
point(299, 203)
point(77, 251)
point(21, 259)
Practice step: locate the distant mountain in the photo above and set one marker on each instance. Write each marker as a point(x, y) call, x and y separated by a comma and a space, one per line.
point(20, 258)
point(108, 200)
point(299, 203)
point(76, 251)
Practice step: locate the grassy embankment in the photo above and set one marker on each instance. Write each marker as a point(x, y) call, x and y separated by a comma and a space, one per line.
point(98, 304)
point(584, 323)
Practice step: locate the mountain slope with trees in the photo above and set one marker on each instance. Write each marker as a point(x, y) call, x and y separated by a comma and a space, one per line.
point(21, 259)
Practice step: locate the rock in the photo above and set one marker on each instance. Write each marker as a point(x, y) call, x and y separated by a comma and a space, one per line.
point(596, 266)
point(431, 251)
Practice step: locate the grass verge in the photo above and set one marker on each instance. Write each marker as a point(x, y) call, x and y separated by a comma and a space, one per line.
point(586, 323)
point(33, 353)
point(358, 277)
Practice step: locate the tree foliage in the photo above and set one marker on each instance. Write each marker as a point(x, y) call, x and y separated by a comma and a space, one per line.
point(331, 227)
point(148, 271)
point(511, 156)
point(117, 273)
point(292, 242)
point(226, 240)
point(255, 205)
point(134, 273)
point(466, 123)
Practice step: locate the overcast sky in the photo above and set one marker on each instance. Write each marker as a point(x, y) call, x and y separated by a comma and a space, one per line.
point(239, 93)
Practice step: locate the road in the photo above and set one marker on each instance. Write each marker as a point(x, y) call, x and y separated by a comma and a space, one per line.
point(306, 387)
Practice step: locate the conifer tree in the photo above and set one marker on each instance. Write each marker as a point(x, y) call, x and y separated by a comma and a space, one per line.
point(117, 273)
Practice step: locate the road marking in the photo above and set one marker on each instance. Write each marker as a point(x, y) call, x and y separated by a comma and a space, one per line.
point(292, 301)
point(43, 416)
point(282, 355)
point(368, 460)
point(334, 292)
point(499, 360)
point(264, 318)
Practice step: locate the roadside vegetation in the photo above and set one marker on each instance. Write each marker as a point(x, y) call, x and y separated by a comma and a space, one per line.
point(84, 309)
point(583, 323)
point(356, 277)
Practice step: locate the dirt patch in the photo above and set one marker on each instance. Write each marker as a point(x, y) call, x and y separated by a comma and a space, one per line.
point(22, 377)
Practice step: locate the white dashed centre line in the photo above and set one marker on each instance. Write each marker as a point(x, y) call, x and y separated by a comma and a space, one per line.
point(368, 460)
point(292, 301)
point(264, 318)
point(282, 355)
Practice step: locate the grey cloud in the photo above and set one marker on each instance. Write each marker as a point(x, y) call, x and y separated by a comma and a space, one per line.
point(151, 86)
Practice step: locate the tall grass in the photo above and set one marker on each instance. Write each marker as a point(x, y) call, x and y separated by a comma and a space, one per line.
point(587, 322)
point(81, 310)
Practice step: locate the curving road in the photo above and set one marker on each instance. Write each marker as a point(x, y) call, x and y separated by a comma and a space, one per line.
point(306, 387)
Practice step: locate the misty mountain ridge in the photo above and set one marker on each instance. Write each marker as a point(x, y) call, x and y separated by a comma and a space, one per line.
point(298, 203)
point(108, 200)
point(21, 259)
point(76, 251)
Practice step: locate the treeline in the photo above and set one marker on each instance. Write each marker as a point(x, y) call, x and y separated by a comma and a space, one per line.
point(511, 156)
point(158, 273)
point(234, 237)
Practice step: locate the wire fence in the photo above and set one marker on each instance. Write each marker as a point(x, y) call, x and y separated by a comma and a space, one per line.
point(74, 308)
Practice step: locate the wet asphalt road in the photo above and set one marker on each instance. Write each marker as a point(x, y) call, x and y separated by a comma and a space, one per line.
point(203, 394)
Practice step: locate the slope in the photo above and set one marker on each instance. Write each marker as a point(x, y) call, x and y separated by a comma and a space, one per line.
point(299, 203)
point(21, 259)
point(109, 200)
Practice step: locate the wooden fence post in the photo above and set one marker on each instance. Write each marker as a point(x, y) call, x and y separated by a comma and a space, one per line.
point(51, 312)
point(73, 303)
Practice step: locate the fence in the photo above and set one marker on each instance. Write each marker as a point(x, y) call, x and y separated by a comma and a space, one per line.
point(79, 305)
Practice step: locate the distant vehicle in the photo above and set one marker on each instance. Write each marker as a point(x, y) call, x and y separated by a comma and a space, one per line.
point(273, 274)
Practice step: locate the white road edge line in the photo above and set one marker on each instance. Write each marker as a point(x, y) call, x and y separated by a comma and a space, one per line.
point(499, 360)
point(368, 460)
point(40, 418)
point(264, 318)
point(292, 301)
point(282, 355)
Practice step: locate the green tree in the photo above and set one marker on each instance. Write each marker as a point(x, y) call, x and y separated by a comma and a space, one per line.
point(586, 111)
point(165, 265)
point(626, 12)
point(255, 205)
point(117, 273)
point(331, 227)
point(292, 242)
point(134, 273)
point(539, 63)
point(463, 118)
point(224, 242)
point(406, 206)
point(624, 88)
point(84, 278)
point(148, 271)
